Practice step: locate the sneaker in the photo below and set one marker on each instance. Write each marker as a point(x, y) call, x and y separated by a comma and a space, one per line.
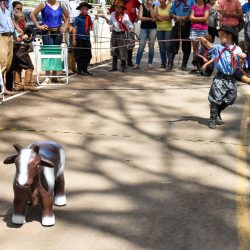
point(88, 73)
point(46, 81)
point(124, 69)
point(169, 68)
point(163, 66)
point(184, 68)
point(212, 123)
point(150, 66)
point(7, 92)
point(136, 66)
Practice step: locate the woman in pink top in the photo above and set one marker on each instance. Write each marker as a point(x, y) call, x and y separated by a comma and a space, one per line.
point(199, 17)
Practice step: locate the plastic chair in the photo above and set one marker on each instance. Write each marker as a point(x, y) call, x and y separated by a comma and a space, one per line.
point(52, 58)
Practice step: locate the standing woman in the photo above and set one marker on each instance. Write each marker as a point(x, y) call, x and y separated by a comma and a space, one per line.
point(53, 14)
point(148, 32)
point(199, 28)
point(164, 28)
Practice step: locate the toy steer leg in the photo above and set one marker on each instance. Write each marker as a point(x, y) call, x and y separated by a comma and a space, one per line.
point(60, 197)
point(18, 216)
point(48, 218)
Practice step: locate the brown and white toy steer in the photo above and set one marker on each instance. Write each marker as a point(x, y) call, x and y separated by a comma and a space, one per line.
point(39, 179)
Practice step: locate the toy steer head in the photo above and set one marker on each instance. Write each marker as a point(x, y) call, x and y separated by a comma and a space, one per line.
point(39, 179)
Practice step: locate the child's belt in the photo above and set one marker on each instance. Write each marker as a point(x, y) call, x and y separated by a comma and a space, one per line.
point(224, 76)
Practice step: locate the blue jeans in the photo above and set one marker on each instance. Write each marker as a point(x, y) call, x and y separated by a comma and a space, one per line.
point(164, 47)
point(52, 39)
point(150, 35)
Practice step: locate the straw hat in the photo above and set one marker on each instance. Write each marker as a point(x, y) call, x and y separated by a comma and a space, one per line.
point(120, 4)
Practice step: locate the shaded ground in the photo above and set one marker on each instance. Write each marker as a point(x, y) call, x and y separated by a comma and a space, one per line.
point(143, 169)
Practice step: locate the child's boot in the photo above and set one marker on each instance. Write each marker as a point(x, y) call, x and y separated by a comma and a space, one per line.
point(213, 116)
point(114, 64)
point(130, 56)
point(85, 69)
point(18, 85)
point(27, 81)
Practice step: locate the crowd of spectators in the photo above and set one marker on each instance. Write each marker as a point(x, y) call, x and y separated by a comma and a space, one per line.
point(172, 23)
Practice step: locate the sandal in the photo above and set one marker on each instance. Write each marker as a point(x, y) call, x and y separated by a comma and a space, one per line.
point(57, 80)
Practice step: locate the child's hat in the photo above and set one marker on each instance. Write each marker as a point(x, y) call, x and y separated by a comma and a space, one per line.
point(84, 5)
point(120, 4)
point(229, 30)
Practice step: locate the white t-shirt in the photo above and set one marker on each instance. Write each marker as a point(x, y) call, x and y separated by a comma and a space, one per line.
point(115, 25)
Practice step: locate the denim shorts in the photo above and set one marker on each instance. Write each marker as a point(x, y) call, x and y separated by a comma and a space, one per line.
point(195, 33)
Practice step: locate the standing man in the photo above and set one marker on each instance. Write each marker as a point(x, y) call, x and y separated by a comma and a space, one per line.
point(180, 12)
point(230, 11)
point(6, 37)
point(71, 6)
point(132, 7)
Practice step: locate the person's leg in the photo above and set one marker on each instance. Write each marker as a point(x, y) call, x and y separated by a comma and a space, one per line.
point(142, 38)
point(28, 80)
point(213, 115)
point(199, 63)
point(174, 46)
point(130, 57)
point(6, 56)
point(160, 38)
point(195, 45)
point(151, 44)
point(87, 56)
point(114, 63)
point(209, 69)
point(122, 52)
point(186, 45)
point(167, 44)
point(18, 84)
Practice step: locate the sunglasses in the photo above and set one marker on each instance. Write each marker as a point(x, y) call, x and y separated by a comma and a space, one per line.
point(18, 8)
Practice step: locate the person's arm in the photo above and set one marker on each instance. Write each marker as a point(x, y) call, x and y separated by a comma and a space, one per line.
point(105, 18)
point(204, 66)
point(16, 26)
point(199, 19)
point(142, 18)
point(204, 58)
point(205, 42)
point(128, 23)
point(238, 13)
point(66, 19)
point(33, 14)
point(74, 35)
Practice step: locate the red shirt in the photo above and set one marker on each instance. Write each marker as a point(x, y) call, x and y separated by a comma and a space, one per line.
point(131, 6)
point(231, 6)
